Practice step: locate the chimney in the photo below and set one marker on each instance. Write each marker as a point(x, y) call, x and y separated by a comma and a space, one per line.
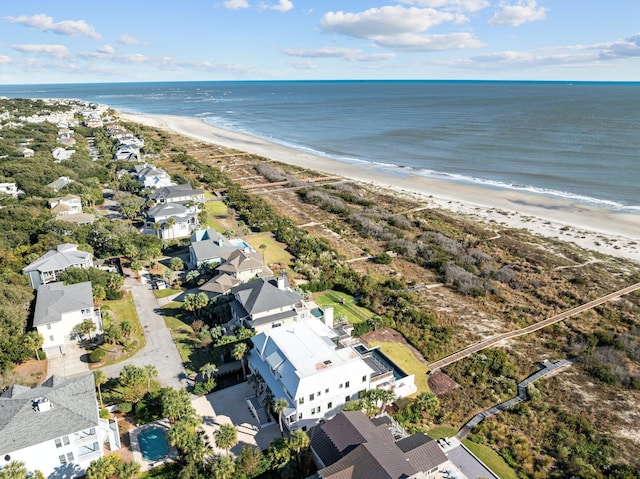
point(281, 283)
point(328, 316)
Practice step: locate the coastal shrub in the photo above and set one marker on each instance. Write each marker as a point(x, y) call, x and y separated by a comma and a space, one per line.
point(125, 407)
point(464, 281)
point(104, 413)
point(383, 258)
point(97, 355)
point(270, 173)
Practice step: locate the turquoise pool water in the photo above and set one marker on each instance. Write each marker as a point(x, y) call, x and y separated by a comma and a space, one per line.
point(153, 444)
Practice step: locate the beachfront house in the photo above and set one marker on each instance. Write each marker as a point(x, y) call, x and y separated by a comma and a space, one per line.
point(151, 177)
point(304, 363)
point(60, 183)
point(54, 428)
point(183, 194)
point(170, 220)
point(263, 304)
point(10, 189)
point(59, 309)
point(67, 205)
point(48, 267)
point(61, 154)
point(352, 446)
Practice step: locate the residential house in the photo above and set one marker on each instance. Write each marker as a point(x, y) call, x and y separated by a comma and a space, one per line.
point(27, 152)
point(69, 210)
point(10, 189)
point(48, 267)
point(152, 177)
point(67, 205)
point(65, 137)
point(244, 264)
point(264, 303)
point(300, 363)
point(59, 309)
point(352, 446)
point(177, 194)
point(127, 153)
point(60, 183)
point(61, 154)
point(54, 428)
point(185, 220)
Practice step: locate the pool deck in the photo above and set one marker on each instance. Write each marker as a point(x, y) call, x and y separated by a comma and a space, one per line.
point(145, 465)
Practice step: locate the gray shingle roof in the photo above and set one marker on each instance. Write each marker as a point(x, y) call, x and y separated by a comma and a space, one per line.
point(221, 284)
point(353, 447)
point(175, 191)
point(66, 256)
point(73, 408)
point(167, 209)
point(54, 299)
point(239, 260)
point(261, 295)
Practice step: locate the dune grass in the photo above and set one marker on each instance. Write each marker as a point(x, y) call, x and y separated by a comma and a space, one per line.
point(274, 251)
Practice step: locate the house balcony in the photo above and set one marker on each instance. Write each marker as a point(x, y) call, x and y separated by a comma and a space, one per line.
point(89, 452)
point(86, 437)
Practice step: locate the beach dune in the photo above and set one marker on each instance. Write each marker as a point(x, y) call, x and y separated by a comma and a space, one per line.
point(599, 229)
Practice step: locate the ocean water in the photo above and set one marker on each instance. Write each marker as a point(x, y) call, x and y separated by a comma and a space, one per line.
point(572, 140)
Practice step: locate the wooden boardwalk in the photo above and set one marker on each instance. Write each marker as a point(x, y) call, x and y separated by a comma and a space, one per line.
point(549, 367)
point(485, 343)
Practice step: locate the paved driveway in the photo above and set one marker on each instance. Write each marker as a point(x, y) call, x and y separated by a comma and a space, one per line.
point(160, 349)
point(229, 406)
point(73, 363)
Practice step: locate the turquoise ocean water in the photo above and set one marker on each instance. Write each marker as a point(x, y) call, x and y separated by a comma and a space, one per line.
point(574, 140)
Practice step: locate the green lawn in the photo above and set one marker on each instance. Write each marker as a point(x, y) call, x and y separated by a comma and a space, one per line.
point(273, 253)
point(192, 356)
point(215, 209)
point(487, 455)
point(163, 293)
point(125, 309)
point(343, 304)
point(401, 355)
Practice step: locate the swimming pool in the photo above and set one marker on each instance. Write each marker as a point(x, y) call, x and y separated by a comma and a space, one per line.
point(153, 444)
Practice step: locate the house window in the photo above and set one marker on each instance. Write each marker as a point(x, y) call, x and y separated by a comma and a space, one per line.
point(340, 386)
point(311, 397)
point(301, 400)
point(347, 398)
point(318, 408)
point(58, 442)
point(364, 379)
point(346, 385)
point(313, 410)
point(329, 405)
point(326, 391)
point(65, 440)
point(48, 326)
point(299, 416)
point(319, 393)
point(63, 459)
point(70, 456)
point(50, 338)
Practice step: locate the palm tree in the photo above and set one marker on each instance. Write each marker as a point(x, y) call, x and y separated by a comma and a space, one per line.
point(263, 247)
point(226, 437)
point(298, 440)
point(33, 340)
point(14, 470)
point(99, 377)
point(151, 372)
point(223, 468)
point(171, 222)
point(239, 352)
point(208, 370)
point(279, 406)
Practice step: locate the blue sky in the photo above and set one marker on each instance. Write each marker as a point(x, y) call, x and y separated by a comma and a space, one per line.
point(70, 41)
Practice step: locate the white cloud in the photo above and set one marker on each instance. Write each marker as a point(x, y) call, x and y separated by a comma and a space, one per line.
point(54, 51)
point(128, 40)
point(5, 60)
point(456, 5)
point(283, 6)
point(350, 54)
point(628, 47)
point(106, 49)
point(304, 65)
point(389, 20)
point(421, 43)
point(235, 4)
point(521, 12)
point(44, 23)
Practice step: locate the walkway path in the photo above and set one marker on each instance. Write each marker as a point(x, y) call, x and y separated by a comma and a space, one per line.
point(522, 396)
point(474, 348)
point(160, 349)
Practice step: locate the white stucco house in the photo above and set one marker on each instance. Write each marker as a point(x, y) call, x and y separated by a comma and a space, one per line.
point(185, 220)
point(305, 364)
point(152, 177)
point(263, 304)
point(67, 205)
point(10, 189)
point(61, 154)
point(48, 267)
point(54, 428)
point(59, 309)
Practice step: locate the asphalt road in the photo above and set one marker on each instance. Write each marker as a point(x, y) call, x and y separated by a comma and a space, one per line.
point(160, 349)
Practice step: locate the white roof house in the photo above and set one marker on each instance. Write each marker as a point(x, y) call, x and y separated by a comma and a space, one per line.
point(48, 267)
point(54, 428)
point(152, 177)
point(61, 154)
point(301, 363)
point(59, 309)
point(186, 220)
point(10, 189)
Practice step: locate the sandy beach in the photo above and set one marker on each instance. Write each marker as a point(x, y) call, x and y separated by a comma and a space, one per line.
point(597, 229)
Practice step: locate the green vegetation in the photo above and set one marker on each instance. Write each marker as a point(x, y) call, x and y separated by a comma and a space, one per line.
point(406, 360)
point(343, 304)
point(273, 252)
point(164, 293)
point(492, 459)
